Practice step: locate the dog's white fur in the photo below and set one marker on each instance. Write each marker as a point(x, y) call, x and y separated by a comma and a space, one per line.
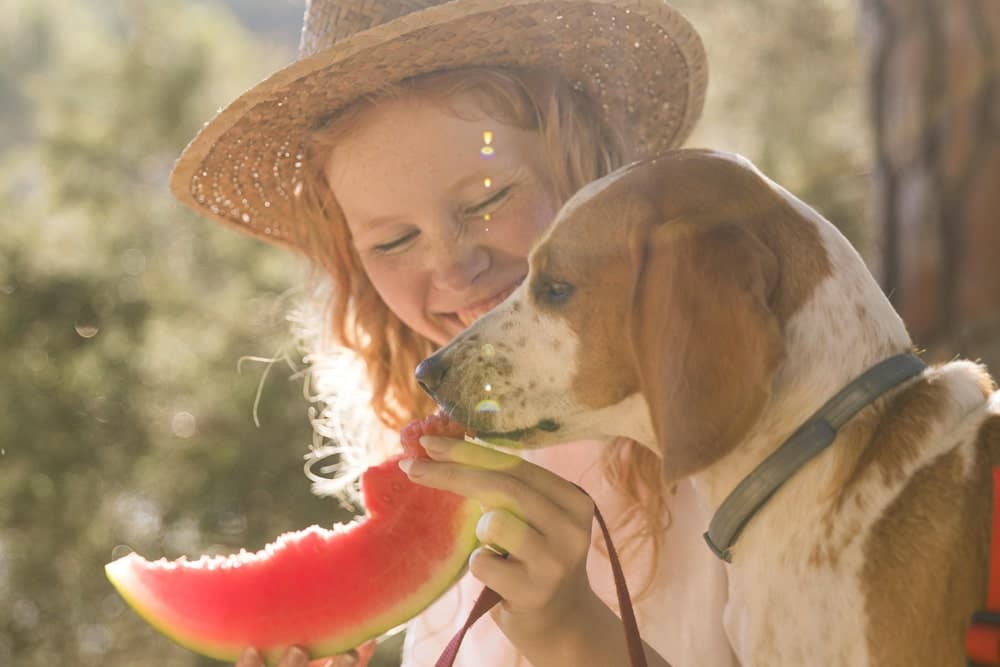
point(801, 581)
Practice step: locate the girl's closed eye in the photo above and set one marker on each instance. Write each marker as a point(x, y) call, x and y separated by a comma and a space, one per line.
point(395, 244)
point(491, 204)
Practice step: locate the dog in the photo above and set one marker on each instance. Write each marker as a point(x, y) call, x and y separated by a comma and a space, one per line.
point(694, 305)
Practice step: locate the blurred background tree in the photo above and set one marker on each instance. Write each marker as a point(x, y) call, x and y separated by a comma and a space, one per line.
point(124, 420)
point(934, 87)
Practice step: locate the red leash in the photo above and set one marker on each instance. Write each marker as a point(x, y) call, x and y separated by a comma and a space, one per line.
point(488, 598)
point(982, 641)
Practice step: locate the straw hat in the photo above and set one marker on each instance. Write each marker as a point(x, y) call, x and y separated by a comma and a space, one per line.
point(640, 60)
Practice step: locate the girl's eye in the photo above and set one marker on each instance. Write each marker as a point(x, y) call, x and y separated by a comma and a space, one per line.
point(386, 248)
point(487, 204)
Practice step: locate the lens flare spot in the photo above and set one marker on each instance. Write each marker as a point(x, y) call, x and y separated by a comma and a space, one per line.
point(487, 217)
point(184, 424)
point(487, 182)
point(488, 351)
point(487, 137)
point(488, 387)
point(488, 406)
point(85, 330)
point(487, 151)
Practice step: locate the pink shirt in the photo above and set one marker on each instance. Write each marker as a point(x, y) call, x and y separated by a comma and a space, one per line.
point(680, 615)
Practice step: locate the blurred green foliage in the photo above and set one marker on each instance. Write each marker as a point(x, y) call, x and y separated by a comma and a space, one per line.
point(124, 421)
point(123, 417)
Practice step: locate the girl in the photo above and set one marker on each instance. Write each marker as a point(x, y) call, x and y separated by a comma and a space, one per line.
point(415, 160)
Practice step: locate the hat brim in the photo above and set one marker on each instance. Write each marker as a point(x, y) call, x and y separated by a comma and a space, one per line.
point(640, 60)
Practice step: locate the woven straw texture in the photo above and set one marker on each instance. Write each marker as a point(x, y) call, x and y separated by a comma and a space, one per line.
point(639, 59)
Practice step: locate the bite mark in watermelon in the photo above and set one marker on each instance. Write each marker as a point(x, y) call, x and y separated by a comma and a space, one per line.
point(325, 590)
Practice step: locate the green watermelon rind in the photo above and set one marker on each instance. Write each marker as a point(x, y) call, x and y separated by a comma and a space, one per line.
point(450, 569)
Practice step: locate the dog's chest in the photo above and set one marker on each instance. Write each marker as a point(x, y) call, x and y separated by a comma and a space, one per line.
point(782, 611)
point(781, 607)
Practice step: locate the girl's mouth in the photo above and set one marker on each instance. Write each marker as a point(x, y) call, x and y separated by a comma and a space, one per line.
point(467, 316)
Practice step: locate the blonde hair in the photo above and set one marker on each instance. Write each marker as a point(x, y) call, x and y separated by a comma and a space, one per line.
point(579, 147)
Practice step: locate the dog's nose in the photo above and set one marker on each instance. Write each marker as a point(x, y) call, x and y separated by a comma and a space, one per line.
point(430, 373)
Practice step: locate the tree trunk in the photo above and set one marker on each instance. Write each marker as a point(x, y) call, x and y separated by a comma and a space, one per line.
point(935, 105)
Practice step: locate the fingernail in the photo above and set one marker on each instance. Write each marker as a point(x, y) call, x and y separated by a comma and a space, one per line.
point(248, 658)
point(295, 657)
point(406, 465)
point(344, 660)
point(435, 442)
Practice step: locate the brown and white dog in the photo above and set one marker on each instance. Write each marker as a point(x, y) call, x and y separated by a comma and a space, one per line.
point(694, 305)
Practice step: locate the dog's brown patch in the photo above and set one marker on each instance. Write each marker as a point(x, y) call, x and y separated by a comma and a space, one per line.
point(924, 572)
point(885, 437)
point(878, 447)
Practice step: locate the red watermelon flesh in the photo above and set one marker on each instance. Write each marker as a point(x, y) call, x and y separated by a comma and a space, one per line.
point(325, 590)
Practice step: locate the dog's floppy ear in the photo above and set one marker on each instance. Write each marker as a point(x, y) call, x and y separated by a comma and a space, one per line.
point(705, 342)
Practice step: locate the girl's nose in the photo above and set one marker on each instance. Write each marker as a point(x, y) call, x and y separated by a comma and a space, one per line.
point(458, 264)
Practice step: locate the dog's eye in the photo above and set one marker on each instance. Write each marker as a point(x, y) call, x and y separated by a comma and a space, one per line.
point(553, 292)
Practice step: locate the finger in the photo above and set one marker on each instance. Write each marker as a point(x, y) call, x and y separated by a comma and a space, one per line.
point(505, 576)
point(356, 657)
point(250, 658)
point(501, 529)
point(294, 657)
point(348, 659)
point(327, 662)
point(563, 493)
point(494, 490)
point(365, 652)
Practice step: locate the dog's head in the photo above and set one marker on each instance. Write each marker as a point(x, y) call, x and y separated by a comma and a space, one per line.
point(656, 307)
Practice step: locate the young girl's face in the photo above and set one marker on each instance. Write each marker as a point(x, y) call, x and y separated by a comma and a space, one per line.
point(442, 208)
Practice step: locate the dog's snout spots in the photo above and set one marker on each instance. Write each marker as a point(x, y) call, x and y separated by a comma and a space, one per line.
point(556, 344)
point(516, 306)
point(522, 341)
point(508, 325)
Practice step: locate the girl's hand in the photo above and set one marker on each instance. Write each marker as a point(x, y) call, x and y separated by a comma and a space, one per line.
point(538, 522)
point(296, 657)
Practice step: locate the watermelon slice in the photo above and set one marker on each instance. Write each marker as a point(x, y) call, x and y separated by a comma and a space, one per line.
point(325, 590)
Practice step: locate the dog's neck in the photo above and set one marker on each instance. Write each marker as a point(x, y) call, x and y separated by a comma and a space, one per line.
point(808, 442)
point(825, 353)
